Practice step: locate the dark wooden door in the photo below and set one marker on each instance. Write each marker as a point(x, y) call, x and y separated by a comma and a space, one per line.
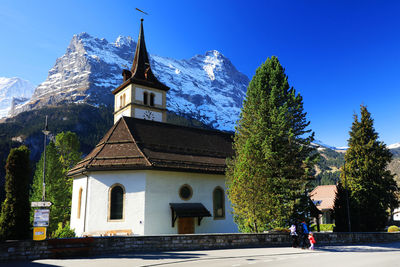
point(186, 225)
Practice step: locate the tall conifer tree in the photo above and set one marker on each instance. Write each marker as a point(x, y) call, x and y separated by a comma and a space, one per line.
point(272, 160)
point(61, 155)
point(14, 220)
point(371, 186)
point(340, 209)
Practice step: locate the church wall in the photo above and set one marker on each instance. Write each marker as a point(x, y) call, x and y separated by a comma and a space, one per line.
point(128, 97)
point(100, 183)
point(77, 223)
point(158, 96)
point(143, 114)
point(126, 112)
point(162, 188)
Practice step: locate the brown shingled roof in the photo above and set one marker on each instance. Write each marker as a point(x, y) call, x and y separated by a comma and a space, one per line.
point(141, 144)
point(324, 196)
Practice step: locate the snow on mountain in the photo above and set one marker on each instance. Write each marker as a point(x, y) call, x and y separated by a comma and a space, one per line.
point(394, 146)
point(322, 145)
point(13, 90)
point(205, 86)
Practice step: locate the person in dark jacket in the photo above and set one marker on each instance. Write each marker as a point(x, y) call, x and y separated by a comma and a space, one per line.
point(304, 235)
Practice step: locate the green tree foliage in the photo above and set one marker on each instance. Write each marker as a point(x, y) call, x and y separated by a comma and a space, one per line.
point(340, 210)
point(272, 162)
point(61, 155)
point(14, 220)
point(371, 186)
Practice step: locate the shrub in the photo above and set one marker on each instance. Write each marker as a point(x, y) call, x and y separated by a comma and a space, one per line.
point(281, 229)
point(322, 227)
point(393, 229)
point(63, 232)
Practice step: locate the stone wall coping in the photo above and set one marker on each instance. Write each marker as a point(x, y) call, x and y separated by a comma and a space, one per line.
point(92, 246)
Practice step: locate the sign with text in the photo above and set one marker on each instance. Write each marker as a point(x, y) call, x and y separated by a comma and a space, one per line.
point(41, 217)
point(41, 204)
point(39, 233)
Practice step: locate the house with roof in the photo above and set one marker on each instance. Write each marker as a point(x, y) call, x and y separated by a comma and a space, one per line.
point(323, 197)
point(148, 177)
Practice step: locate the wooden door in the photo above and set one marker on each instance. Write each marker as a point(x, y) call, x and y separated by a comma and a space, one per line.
point(186, 225)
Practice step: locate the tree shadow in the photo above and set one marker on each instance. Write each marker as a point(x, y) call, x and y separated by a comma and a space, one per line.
point(378, 247)
point(25, 264)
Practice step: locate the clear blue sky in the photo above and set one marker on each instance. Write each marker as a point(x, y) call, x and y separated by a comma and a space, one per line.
point(337, 54)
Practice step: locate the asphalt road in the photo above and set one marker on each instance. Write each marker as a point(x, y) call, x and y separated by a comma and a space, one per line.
point(377, 255)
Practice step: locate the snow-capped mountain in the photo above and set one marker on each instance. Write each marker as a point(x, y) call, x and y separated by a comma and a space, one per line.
point(206, 86)
point(13, 91)
point(394, 146)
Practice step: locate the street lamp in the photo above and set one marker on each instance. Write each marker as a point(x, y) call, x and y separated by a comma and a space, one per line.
point(46, 133)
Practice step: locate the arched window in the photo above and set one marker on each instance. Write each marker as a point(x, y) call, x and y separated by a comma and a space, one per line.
point(79, 202)
point(152, 100)
point(219, 203)
point(116, 202)
point(120, 101)
point(123, 100)
point(145, 98)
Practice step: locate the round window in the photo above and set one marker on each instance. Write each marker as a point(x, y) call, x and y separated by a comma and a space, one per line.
point(185, 192)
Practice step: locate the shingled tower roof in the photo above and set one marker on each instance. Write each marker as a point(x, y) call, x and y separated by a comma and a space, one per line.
point(141, 72)
point(136, 144)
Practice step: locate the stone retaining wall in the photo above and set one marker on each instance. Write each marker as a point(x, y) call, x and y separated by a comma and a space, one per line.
point(92, 246)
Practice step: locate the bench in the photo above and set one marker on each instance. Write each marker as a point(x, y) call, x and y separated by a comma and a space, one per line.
point(123, 232)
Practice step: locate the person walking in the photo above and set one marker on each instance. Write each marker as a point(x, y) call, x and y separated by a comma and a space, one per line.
point(294, 236)
point(304, 235)
point(312, 240)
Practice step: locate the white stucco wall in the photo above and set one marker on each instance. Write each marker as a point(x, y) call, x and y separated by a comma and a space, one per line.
point(117, 100)
point(98, 202)
point(78, 223)
point(140, 114)
point(162, 188)
point(126, 113)
point(396, 216)
point(139, 95)
point(146, 202)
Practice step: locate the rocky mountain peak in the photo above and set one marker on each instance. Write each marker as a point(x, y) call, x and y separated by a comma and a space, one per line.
point(13, 90)
point(124, 41)
point(207, 87)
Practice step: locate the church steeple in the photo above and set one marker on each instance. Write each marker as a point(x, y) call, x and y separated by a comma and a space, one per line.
point(141, 60)
point(141, 95)
point(140, 72)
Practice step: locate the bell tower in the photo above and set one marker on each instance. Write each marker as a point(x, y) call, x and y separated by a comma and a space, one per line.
point(140, 95)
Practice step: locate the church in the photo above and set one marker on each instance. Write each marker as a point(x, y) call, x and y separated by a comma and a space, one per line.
point(149, 177)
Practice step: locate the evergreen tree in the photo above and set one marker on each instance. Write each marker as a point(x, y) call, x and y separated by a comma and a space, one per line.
point(61, 155)
point(340, 210)
point(67, 145)
point(272, 161)
point(371, 186)
point(14, 220)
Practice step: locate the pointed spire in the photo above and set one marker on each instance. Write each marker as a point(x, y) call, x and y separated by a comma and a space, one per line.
point(141, 60)
point(140, 72)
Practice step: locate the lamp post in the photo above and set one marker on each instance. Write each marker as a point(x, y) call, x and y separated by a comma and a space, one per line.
point(46, 133)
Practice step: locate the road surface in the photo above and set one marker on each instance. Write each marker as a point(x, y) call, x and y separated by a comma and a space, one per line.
point(377, 255)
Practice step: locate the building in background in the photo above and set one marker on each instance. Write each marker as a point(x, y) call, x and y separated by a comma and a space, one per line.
point(323, 197)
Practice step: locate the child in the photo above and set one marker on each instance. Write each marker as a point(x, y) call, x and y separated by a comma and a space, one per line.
point(312, 240)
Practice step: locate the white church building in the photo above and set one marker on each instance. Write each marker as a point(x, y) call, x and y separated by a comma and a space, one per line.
point(148, 177)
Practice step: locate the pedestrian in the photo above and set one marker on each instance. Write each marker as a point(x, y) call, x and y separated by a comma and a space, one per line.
point(312, 240)
point(294, 236)
point(304, 235)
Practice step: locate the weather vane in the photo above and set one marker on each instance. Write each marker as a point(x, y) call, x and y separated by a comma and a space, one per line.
point(141, 11)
